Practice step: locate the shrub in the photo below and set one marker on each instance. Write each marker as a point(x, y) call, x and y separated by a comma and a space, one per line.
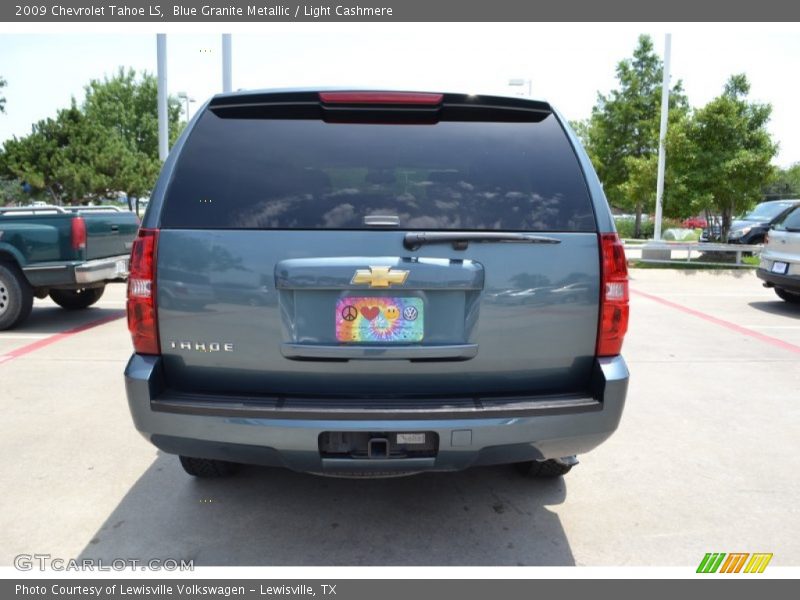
point(681, 235)
point(625, 227)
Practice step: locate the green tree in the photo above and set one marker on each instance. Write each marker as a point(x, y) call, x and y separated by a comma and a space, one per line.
point(59, 157)
point(731, 152)
point(107, 145)
point(126, 104)
point(643, 173)
point(785, 183)
point(581, 129)
point(3, 84)
point(11, 191)
point(622, 133)
point(33, 158)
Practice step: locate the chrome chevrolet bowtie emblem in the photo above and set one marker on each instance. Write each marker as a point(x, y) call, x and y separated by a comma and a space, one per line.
point(379, 277)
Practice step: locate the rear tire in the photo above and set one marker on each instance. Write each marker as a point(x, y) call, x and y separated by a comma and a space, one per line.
point(77, 299)
point(208, 468)
point(16, 296)
point(787, 296)
point(544, 469)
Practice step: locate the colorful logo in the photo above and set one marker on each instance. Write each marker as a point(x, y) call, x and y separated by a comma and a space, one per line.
point(734, 562)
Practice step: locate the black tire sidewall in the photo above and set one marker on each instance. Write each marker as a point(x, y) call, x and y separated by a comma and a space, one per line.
point(77, 299)
point(20, 296)
point(543, 469)
point(787, 296)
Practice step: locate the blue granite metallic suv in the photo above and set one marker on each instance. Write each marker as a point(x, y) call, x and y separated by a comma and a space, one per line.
point(377, 283)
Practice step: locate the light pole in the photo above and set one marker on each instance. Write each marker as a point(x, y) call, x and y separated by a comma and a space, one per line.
point(227, 70)
point(662, 137)
point(161, 68)
point(185, 97)
point(522, 83)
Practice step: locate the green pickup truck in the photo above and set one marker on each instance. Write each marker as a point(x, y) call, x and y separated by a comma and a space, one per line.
point(68, 253)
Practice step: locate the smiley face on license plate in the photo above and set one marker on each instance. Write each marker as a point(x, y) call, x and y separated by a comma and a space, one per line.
point(379, 319)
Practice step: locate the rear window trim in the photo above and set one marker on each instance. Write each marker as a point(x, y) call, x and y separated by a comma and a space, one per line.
point(572, 139)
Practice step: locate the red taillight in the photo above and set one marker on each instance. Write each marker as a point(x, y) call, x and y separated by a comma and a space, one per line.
point(78, 233)
point(142, 315)
point(613, 296)
point(418, 98)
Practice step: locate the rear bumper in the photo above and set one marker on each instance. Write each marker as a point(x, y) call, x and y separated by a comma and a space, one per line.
point(77, 274)
point(286, 433)
point(102, 269)
point(788, 282)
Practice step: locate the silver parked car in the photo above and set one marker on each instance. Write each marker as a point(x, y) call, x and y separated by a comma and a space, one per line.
point(780, 259)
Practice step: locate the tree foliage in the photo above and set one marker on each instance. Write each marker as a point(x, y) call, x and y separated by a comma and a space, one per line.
point(622, 134)
point(718, 157)
point(38, 158)
point(731, 152)
point(3, 84)
point(642, 172)
point(10, 191)
point(785, 183)
point(107, 145)
point(128, 108)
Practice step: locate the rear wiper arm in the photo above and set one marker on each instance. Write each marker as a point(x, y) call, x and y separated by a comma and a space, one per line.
point(416, 239)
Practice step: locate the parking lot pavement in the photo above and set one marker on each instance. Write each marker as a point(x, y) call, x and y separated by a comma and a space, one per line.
point(705, 458)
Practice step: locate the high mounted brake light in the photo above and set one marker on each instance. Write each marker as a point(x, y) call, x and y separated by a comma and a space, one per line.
point(614, 308)
point(415, 98)
point(78, 233)
point(142, 312)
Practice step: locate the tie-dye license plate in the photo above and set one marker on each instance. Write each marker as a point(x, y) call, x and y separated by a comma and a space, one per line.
point(379, 319)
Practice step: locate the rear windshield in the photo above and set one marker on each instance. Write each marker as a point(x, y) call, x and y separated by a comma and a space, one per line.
point(251, 173)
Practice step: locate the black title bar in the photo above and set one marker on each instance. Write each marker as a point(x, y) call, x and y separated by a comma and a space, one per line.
point(730, 588)
point(244, 11)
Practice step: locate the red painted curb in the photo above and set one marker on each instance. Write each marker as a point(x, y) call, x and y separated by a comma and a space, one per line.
point(39, 344)
point(722, 323)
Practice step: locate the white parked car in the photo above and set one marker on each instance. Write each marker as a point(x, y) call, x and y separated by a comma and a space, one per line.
point(780, 259)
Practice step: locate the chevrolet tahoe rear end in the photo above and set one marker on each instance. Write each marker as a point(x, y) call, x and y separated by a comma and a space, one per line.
point(377, 282)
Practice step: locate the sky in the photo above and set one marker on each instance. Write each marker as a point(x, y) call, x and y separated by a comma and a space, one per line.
point(567, 64)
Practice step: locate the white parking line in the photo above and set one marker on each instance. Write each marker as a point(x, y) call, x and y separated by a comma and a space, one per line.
point(755, 294)
point(773, 341)
point(772, 326)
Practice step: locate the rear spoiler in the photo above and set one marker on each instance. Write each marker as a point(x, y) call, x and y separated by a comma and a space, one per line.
point(378, 106)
